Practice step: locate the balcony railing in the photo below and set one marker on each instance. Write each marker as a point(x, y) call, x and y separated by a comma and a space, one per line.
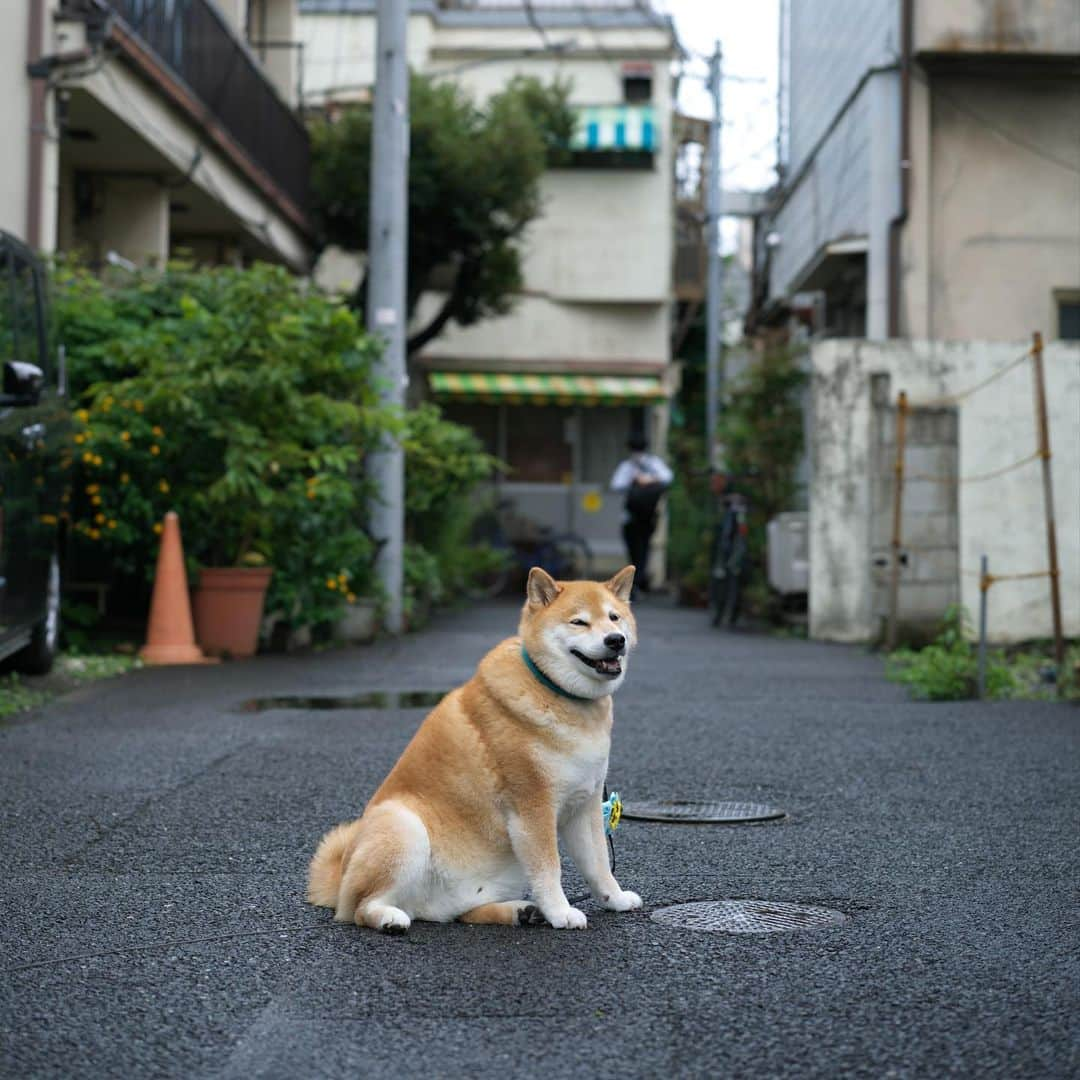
point(192, 39)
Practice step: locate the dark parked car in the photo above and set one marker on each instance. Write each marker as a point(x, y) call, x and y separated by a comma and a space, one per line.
point(35, 461)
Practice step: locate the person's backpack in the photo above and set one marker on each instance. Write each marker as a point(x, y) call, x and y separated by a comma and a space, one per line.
point(643, 499)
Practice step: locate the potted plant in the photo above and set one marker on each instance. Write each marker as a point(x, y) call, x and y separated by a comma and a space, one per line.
point(227, 607)
point(246, 403)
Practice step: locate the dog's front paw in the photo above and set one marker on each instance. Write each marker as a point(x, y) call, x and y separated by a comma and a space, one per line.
point(621, 901)
point(567, 918)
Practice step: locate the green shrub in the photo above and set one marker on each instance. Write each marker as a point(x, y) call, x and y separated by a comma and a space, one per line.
point(690, 515)
point(445, 463)
point(237, 398)
point(947, 669)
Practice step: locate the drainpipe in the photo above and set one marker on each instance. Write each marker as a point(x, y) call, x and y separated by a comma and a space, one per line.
point(36, 141)
point(907, 19)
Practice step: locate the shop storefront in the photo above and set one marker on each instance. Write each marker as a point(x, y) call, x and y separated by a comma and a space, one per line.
point(562, 436)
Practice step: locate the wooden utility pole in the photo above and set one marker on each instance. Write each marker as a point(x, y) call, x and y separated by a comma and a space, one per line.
point(1048, 497)
point(898, 507)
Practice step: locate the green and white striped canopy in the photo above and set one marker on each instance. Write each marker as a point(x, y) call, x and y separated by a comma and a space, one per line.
point(513, 388)
point(615, 127)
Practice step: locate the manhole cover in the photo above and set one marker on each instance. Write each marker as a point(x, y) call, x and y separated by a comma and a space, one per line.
point(747, 917)
point(705, 812)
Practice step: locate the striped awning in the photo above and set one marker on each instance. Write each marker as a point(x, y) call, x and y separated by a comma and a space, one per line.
point(615, 127)
point(514, 388)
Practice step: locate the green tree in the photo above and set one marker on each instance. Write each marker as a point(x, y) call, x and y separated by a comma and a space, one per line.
point(474, 187)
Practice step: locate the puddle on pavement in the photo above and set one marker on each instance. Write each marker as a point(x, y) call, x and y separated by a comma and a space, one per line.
point(374, 699)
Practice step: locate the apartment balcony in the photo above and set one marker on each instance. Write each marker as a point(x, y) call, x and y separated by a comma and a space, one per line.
point(998, 34)
point(220, 81)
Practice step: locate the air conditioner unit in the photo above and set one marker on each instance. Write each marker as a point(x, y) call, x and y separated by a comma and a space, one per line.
point(788, 538)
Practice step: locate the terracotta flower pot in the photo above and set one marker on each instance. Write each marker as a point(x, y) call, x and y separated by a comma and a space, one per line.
point(228, 608)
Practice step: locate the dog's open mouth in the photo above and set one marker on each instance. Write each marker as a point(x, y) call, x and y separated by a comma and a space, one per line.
point(608, 666)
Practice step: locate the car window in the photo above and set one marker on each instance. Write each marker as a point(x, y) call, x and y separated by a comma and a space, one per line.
point(26, 313)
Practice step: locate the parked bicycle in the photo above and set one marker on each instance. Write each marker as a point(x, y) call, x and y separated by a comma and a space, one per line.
point(565, 556)
point(730, 556)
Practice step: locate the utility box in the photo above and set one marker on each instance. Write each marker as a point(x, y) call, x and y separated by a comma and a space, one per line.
point(788, 537)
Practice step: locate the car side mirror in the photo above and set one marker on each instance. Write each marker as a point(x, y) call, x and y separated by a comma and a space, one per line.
point(22, 383)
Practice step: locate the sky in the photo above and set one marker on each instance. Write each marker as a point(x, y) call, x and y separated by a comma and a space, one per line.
point(748, 33)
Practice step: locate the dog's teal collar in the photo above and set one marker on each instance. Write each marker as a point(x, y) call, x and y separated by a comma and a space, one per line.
point(554, 686)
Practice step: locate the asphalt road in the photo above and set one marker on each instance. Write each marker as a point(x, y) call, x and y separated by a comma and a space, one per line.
point(155, 839)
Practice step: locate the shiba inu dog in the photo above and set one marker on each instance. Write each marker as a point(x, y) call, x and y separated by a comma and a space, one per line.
point(503, 769)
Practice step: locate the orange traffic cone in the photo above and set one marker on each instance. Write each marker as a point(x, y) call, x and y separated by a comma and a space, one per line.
point(170, 636)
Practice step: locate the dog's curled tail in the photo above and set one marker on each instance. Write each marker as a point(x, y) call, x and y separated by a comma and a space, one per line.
point(328, 863)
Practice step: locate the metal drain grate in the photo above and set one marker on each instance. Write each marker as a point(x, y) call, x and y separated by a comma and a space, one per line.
point(747, 917)
point(710, 812)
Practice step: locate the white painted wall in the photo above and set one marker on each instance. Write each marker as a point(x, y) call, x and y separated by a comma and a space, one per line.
point(540, 328)
point(995, 228)
point(1002, 518)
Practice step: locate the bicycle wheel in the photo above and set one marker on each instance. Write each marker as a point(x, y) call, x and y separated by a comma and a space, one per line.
point(569, 556)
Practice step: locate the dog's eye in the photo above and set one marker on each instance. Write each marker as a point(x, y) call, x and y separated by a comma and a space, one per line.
point(613, 617)
point(578, 622)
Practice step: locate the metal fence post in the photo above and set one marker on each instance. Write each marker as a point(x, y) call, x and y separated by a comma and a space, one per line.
point(898, 505)
point(984, 589)
point(1048, 497)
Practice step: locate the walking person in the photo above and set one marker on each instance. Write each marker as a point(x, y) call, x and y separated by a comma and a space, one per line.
point(643, 478)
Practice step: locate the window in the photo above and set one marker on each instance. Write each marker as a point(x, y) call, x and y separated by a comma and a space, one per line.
point(637, 83)
point(537, 445)
point(1069, 318)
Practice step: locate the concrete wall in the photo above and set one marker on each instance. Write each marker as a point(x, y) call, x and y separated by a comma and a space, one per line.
point(1002, 517)
point(997, 26)
point(14, 122)
point(995, 224)
point(929, 579)
point(539, 328)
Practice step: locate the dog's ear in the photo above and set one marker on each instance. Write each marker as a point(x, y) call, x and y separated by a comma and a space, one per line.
point(622, 583)
point(542, 588)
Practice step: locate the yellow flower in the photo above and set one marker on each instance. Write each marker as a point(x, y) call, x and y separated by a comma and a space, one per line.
point(351, 598)
point(96, 500)
point(92, 489)
point(157, 431)
point(48, 519)
point(155, 449)
point(80, 438)
point(157, 527)
point(164, 486)
point(311, 494)
point(94, 534)
point(100, 518)
point(97, 459)
point(126, 436)
point(83, 415)
point(112, 523)
point(331, 583)
point(88, 457)
point(124, 478)
point(138, 406)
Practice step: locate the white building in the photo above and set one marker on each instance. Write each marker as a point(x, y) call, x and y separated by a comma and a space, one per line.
point(556, 386)
point(931, 158)
point(931, 194)
point(142, 128)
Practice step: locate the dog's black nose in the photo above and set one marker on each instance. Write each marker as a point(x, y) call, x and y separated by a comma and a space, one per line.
point(615, 642)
